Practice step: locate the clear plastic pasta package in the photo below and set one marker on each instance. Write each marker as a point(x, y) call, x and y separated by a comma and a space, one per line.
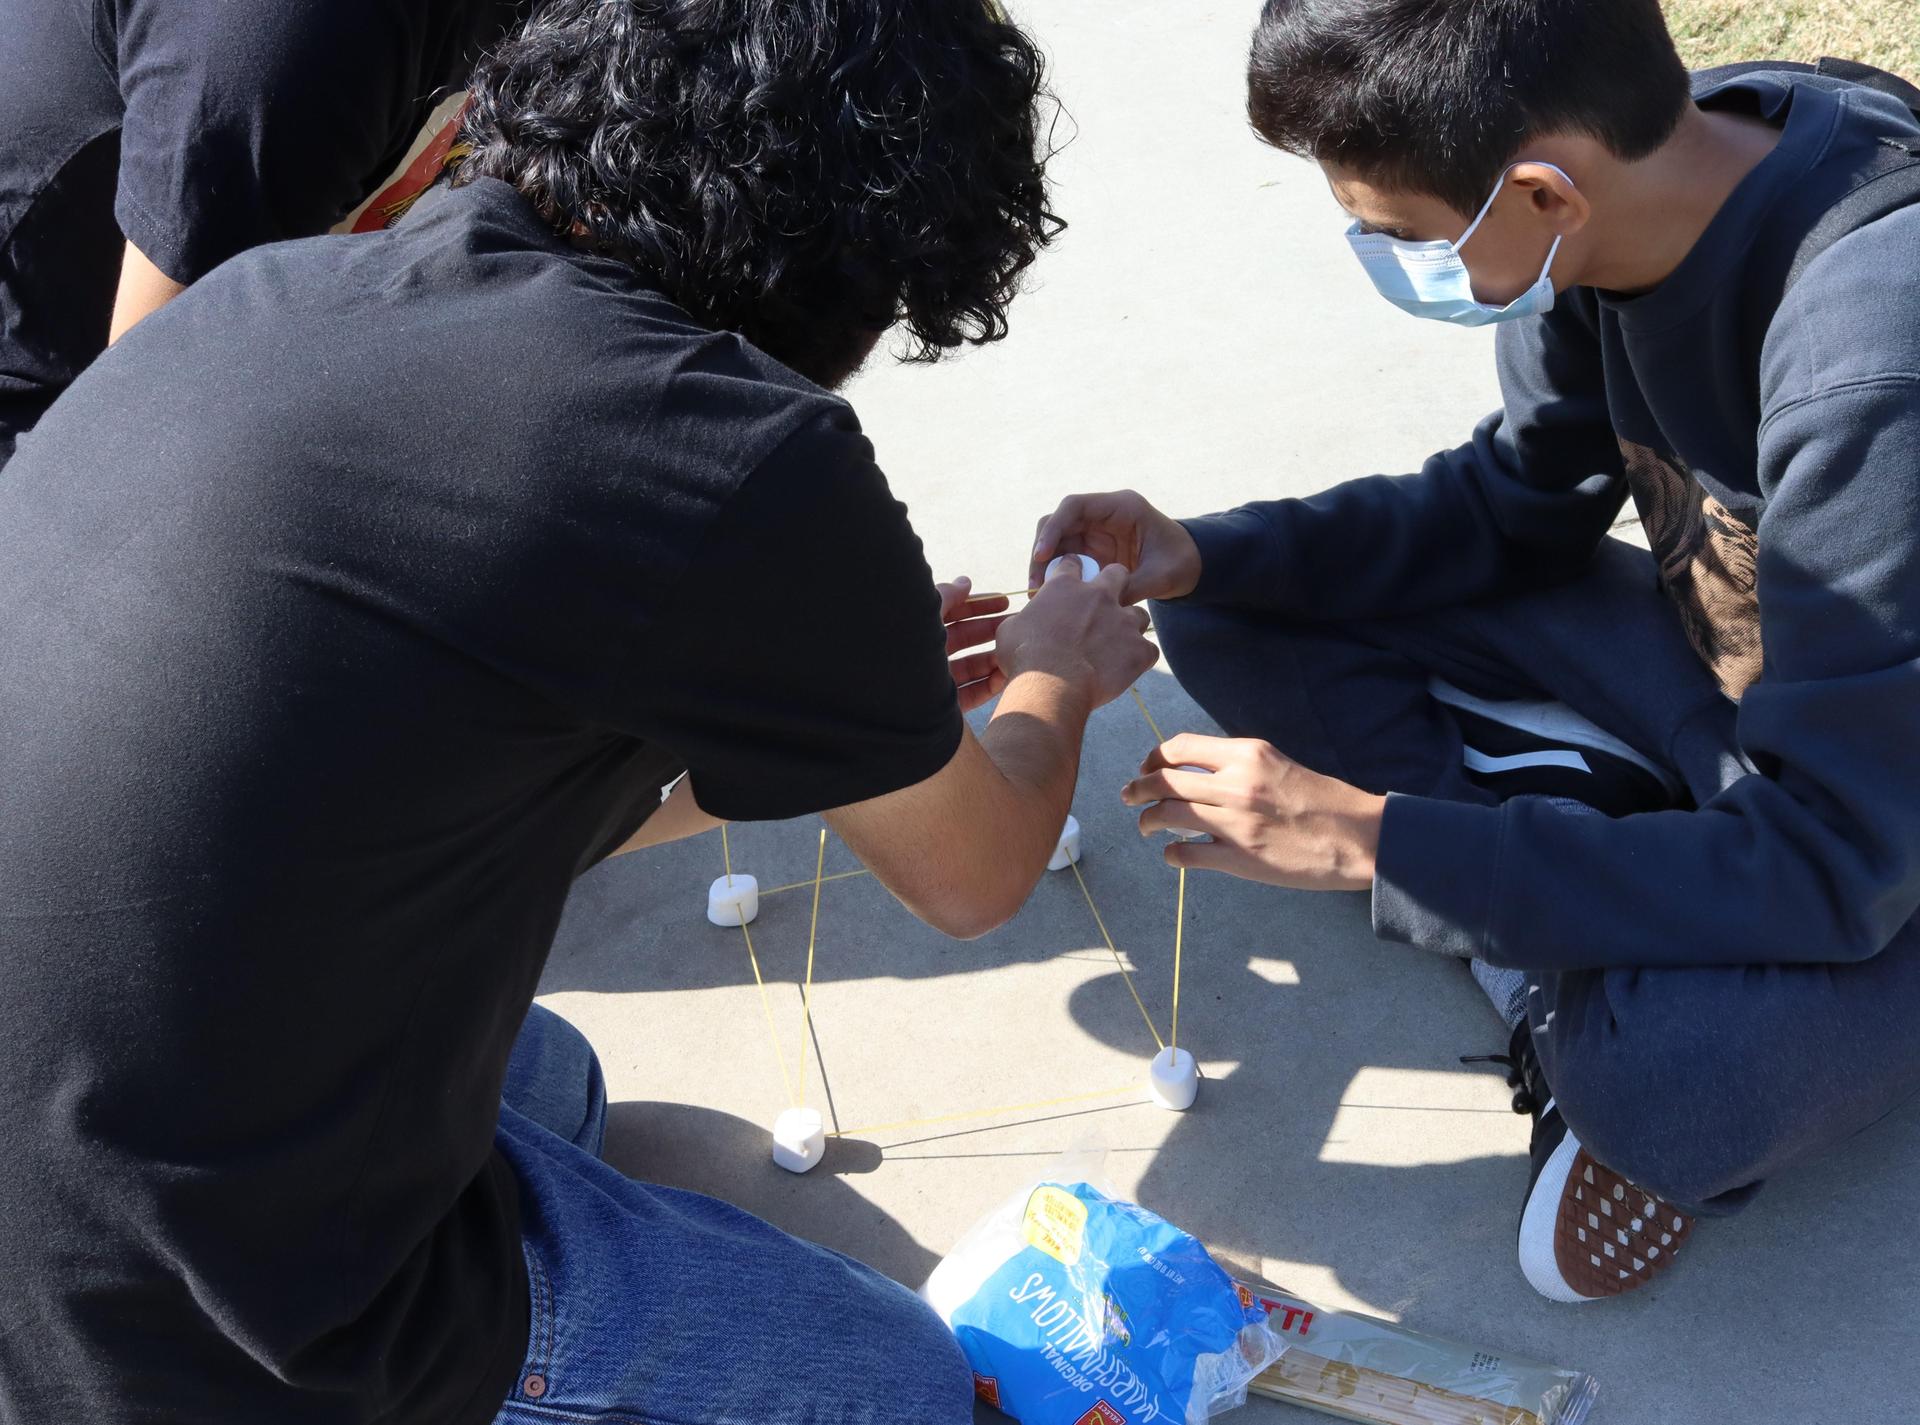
point(1358, 1368)
point(1076, 1308)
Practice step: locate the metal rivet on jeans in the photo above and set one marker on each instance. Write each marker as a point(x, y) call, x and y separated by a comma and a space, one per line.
point(533, 1387)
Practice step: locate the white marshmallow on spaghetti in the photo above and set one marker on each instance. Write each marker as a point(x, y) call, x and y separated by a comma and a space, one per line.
point(733, 900)
point(799, 1139)
point(1067, 852)
point(1089, 566)
point(1175, 832)
point(1173, 1079)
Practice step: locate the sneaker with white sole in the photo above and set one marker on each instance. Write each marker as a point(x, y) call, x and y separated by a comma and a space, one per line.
point(1586, 1233)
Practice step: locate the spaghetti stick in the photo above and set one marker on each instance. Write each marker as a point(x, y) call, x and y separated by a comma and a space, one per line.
point(767, 1005)
point(802, 885)
point(1158, 736)
point(1002, 1110)
point(1010, 594)
point(1179, 925)
point(806, 994)
point(1126, 975)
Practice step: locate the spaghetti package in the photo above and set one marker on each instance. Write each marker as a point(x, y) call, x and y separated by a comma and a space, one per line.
point(1359, 1368)
point(1074, 1308)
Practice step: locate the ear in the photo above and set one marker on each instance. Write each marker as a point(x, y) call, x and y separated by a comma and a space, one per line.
point(1552, 196)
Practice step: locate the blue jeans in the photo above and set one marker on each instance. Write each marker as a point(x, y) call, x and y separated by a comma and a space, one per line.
point(652, 1306)
point(1696, 1083)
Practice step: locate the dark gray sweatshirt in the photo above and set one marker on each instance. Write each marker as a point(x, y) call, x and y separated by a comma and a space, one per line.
point(1782, 498)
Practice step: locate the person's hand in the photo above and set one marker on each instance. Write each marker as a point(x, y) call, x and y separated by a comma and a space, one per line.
point(970, 623)
point(1270, 818)
point(1079, 631)
point(1161, 558)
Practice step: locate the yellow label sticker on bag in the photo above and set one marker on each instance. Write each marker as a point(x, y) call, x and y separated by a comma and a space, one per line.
point(1056, 1223)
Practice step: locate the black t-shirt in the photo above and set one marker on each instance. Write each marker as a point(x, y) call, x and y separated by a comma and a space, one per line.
point(196, 129)
point(350, 608)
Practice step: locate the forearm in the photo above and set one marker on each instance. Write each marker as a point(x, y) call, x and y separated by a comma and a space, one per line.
point(963, 850)
point(1522, 503)
point(1383, 546)
point(144, 289)
point(1034, 742)
point(1753, 878)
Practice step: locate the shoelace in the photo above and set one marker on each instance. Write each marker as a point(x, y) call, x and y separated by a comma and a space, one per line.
point(1524, 1074)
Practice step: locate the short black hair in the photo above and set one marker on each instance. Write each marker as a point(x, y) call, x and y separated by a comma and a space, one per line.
point(804, 172)
point(1437, 96)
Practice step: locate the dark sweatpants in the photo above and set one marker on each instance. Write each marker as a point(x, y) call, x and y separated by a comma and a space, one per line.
point(1696, 1083)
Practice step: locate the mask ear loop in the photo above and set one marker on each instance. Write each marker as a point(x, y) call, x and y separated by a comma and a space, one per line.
point(1552, 252)
point(1487, 207)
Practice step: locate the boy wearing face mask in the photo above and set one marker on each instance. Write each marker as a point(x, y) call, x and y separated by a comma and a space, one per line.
point(1667, 804)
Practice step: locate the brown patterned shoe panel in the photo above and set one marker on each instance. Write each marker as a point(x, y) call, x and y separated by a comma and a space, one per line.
point(1611, 1237)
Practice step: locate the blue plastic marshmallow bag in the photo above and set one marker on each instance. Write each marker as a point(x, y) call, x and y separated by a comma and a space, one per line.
point(1077, 1309)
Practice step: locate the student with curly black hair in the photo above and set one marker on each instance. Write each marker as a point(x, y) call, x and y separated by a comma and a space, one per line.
point(365, 595)
point(755, 190)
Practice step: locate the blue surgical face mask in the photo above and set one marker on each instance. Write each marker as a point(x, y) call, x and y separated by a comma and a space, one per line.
point(1429, 279)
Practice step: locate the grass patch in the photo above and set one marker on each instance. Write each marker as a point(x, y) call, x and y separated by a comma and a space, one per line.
point(1882, 32)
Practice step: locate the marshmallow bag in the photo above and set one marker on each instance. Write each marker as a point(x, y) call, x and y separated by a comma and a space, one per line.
point(1074, 1308)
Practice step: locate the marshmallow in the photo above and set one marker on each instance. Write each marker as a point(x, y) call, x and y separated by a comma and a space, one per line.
point(1089, 566)
point(1173, 1079)
point(1068, 851)
point(733, 900)
point(800, 1139)
point(1176, 834)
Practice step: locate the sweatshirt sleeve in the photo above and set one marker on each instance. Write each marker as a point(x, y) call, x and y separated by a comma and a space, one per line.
point(1815, 858)
point(1522, 504)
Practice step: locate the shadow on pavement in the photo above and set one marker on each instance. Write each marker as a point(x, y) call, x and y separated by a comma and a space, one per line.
point(701, 1150)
